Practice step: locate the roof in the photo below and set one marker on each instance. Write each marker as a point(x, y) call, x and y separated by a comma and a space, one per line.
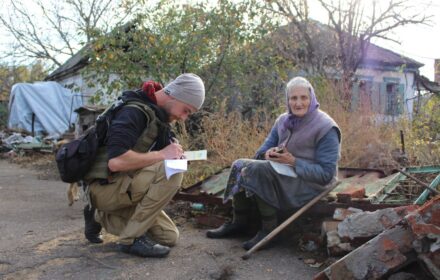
point(71, 66)
point(378, 56)
point(81, 58)
point(424, 83)
point(90, 109)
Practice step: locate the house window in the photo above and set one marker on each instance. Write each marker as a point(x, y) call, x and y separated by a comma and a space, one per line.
point(393, 99)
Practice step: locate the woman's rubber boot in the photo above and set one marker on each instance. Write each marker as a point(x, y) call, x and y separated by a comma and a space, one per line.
point(268, 225)
point(238, 226)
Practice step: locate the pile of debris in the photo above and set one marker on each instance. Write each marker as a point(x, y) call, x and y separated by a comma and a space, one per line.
point(382, 223)
point(352, 227)
point(13, 144)
point(397, 237)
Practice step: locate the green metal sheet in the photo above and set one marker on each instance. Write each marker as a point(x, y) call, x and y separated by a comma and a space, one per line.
point(401, 189)
point(424, 196)
point(216, 183)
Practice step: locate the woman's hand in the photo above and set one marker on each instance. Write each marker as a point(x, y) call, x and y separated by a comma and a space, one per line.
point(283, 157)
point(271, 153)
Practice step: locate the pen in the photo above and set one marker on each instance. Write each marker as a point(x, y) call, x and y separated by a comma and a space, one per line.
point(176, 141)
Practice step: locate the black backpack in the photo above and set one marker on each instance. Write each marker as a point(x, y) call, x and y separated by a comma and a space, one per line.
point(74, 159)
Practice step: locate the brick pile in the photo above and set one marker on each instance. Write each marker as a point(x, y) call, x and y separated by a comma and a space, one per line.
point(400, 236)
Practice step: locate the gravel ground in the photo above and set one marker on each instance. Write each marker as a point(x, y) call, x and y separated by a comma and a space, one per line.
point(41, 237)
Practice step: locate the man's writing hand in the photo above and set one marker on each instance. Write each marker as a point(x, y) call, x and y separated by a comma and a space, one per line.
point(172, 151)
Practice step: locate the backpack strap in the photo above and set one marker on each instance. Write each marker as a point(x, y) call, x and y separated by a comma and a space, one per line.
point(144, 108)
point(148, 137)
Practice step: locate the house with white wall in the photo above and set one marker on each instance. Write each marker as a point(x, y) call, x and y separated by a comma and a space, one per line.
point(386, 83)
point(71, 75)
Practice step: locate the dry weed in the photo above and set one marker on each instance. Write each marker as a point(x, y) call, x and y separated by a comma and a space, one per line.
point(227, 137)
point(367, 142)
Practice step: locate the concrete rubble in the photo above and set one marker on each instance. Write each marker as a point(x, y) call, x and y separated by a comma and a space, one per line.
point(403, 235)
point(363, 225)
point(352, 227)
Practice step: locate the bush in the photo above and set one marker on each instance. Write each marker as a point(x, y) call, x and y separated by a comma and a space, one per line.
point(422, 135)
point(227, 137)
point(3, 115)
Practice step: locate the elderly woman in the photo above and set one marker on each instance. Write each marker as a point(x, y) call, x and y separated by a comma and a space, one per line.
point(305, 143)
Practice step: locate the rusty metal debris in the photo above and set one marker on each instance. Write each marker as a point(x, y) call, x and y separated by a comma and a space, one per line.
point(366, 189)
point(423, 184)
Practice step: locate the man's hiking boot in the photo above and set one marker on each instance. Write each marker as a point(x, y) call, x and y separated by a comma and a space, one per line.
point(227, 230)
point(143, 246)
point(92, 229)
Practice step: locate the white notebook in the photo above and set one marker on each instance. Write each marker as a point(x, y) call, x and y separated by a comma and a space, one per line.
point(173, 166)
point(283, 169)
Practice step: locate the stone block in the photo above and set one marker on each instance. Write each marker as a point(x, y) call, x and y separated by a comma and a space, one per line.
point(334, 245)
point(341, 213)
point(329, 226)
point(369, 224)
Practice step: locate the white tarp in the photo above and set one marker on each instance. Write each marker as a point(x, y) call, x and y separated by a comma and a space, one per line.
point(52, 104)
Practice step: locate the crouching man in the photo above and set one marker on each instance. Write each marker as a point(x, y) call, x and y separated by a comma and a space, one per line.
point(128, 186)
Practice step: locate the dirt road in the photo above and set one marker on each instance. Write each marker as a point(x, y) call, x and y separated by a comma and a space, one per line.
point(41, 238)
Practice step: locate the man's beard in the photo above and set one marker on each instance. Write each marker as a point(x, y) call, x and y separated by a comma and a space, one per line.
point(167, 107)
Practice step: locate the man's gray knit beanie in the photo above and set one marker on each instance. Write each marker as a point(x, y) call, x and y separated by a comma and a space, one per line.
point(187, 88)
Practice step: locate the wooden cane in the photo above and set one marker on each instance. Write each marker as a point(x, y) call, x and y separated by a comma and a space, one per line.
point(298, 213)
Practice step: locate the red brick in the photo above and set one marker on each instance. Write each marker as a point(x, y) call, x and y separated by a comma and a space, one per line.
point(389, 253)
point(433, 208)
point(351, 192)
point(405, 210)
point(430, 204)
point(427, 218)
point(425, 229)
point(388, 244)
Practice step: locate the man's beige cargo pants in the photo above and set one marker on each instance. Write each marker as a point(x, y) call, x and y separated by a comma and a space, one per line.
point(130, 206)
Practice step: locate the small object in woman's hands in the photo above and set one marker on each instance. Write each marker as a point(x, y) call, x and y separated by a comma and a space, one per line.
point(278, 150)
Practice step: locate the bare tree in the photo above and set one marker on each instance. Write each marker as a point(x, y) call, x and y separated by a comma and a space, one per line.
point(297, 13)
point(354, 23)
point(52, 30)
point(359, 22)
